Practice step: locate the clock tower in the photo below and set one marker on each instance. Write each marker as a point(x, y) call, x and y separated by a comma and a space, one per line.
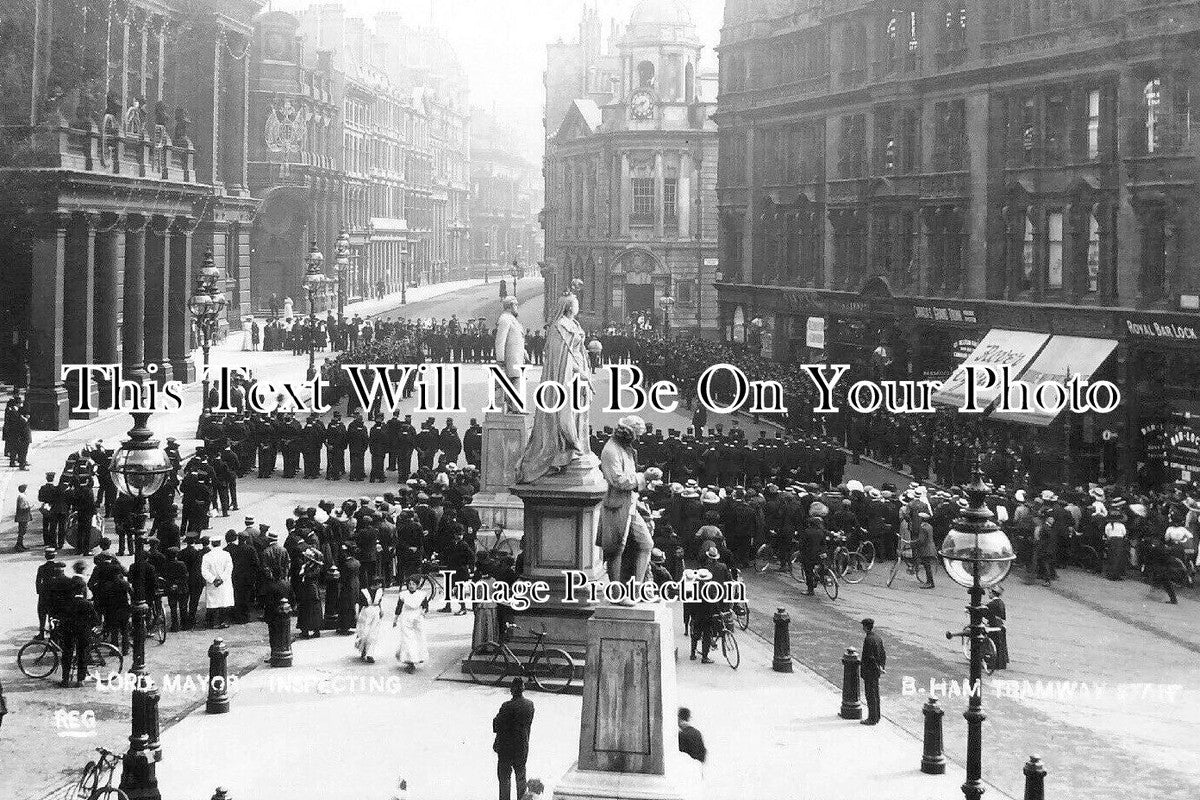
point(659, 54)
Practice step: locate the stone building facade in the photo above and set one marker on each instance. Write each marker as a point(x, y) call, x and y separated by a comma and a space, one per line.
point(506, 196)
point(630, 171)
point(898, 180)
point(122, 163)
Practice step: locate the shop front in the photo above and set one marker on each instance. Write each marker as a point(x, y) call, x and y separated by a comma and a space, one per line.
point(1162, 404)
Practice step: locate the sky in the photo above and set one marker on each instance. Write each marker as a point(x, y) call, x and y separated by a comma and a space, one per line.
point(502, 43)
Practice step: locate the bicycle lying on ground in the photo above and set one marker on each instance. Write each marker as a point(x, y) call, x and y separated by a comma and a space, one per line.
point(550, 669)
point(39, 658)
point(97, 779)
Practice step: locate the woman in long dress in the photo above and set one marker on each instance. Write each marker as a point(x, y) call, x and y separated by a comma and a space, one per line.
point(487, 626)
point(369, 626)
point(410, 616)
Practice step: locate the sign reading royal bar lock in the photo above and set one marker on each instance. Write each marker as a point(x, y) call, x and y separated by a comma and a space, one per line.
point(1173, 331)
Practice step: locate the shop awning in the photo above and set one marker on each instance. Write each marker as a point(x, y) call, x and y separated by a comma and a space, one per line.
point(1063, 358)
point(999, 348)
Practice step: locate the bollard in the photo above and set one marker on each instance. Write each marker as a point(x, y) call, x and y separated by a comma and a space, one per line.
point(852, 707)
point(333, 590)
point(783, 646)
point(279, 629)
point(221, 794)
point(933, 760)
point(1035, 779)
point(218, 678)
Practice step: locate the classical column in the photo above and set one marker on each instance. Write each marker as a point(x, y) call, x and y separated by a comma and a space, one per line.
point(158, 271)
point(110, 275)
point(133, 342)
point(47, 396)
point(79, 297)
point(179, 286)
point(659, 211)
point(683, 195)
point(626, 194)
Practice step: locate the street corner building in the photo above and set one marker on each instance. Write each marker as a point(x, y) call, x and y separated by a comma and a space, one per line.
point(630, 171)
point(902, 184)
point(122, 163)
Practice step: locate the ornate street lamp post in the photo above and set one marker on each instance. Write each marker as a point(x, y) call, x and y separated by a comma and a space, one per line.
point(977, 555)
point(666, 301)
point(139, 468)
point(207, 303)
point(341, 264)
point(314, 277)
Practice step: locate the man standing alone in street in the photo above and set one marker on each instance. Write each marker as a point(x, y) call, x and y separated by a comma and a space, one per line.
point(511, 726)
point(874, 662)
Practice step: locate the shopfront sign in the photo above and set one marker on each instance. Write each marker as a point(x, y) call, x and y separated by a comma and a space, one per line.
point(1169, 331)
point(931, 313)
point(999, 348)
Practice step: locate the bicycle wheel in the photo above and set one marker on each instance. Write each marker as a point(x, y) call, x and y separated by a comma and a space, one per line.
point(841, 561)
point(829, 582)
point(109, 793)
point(867, 551)
point(38, 659)
point(553, 671)
point(855, 569)
point(104, 660)
point(1178, 573)
point(989, 655)
point(741, 612)
point(893, 571)
point(88, 782)
point(433, 585)
point(510, 546)
point(488, 664)
point(158, 623)
point(729, 649)
point(797, 570)
point(764, 558)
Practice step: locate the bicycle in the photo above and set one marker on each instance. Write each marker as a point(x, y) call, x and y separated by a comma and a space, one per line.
point(988, 647)
point(824, 574)
point(97, 779)
point(39, 658)
point(504, 544)
point(767, 556)
point(157, 624)
point(911, 564)
point(727, 640)
point(550, 669)
point(1083, 555)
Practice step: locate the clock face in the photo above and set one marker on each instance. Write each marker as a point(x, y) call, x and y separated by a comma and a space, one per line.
point(641, 105)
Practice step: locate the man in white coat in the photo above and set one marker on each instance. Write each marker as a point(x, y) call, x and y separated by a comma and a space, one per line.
point(217, 569)
point(510, 345)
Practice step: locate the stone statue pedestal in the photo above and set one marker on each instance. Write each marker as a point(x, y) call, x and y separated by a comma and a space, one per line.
point(562, 513)
point(628, 745)
point(504, 437)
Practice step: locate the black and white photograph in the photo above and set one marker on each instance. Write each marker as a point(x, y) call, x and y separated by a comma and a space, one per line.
point(599, 399)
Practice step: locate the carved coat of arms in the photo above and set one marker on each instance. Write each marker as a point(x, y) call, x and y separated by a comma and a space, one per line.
point(285, 128)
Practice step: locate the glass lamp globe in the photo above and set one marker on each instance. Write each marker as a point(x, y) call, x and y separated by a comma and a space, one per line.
point(975, 547)
point(218, 303)
point(140, 466)
point(963, 552)
point(199, 304)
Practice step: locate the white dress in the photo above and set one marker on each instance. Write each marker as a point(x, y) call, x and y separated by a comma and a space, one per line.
point(369, 625)
point(413, 647)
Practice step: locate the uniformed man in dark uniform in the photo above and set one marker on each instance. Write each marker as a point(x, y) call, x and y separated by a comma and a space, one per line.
point(473, 444)
point(335, 448)
point(380, 445)
point(426, 442)
point(312, 439)
point(289, 443)
point(449, 443)
point(357, 440)
point(405, 444)
point(264, 438)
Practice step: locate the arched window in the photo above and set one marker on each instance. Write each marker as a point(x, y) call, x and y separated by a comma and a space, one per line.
point(1153, 94)
point(689, 83)
point(1093, 254)
point(645, 71)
